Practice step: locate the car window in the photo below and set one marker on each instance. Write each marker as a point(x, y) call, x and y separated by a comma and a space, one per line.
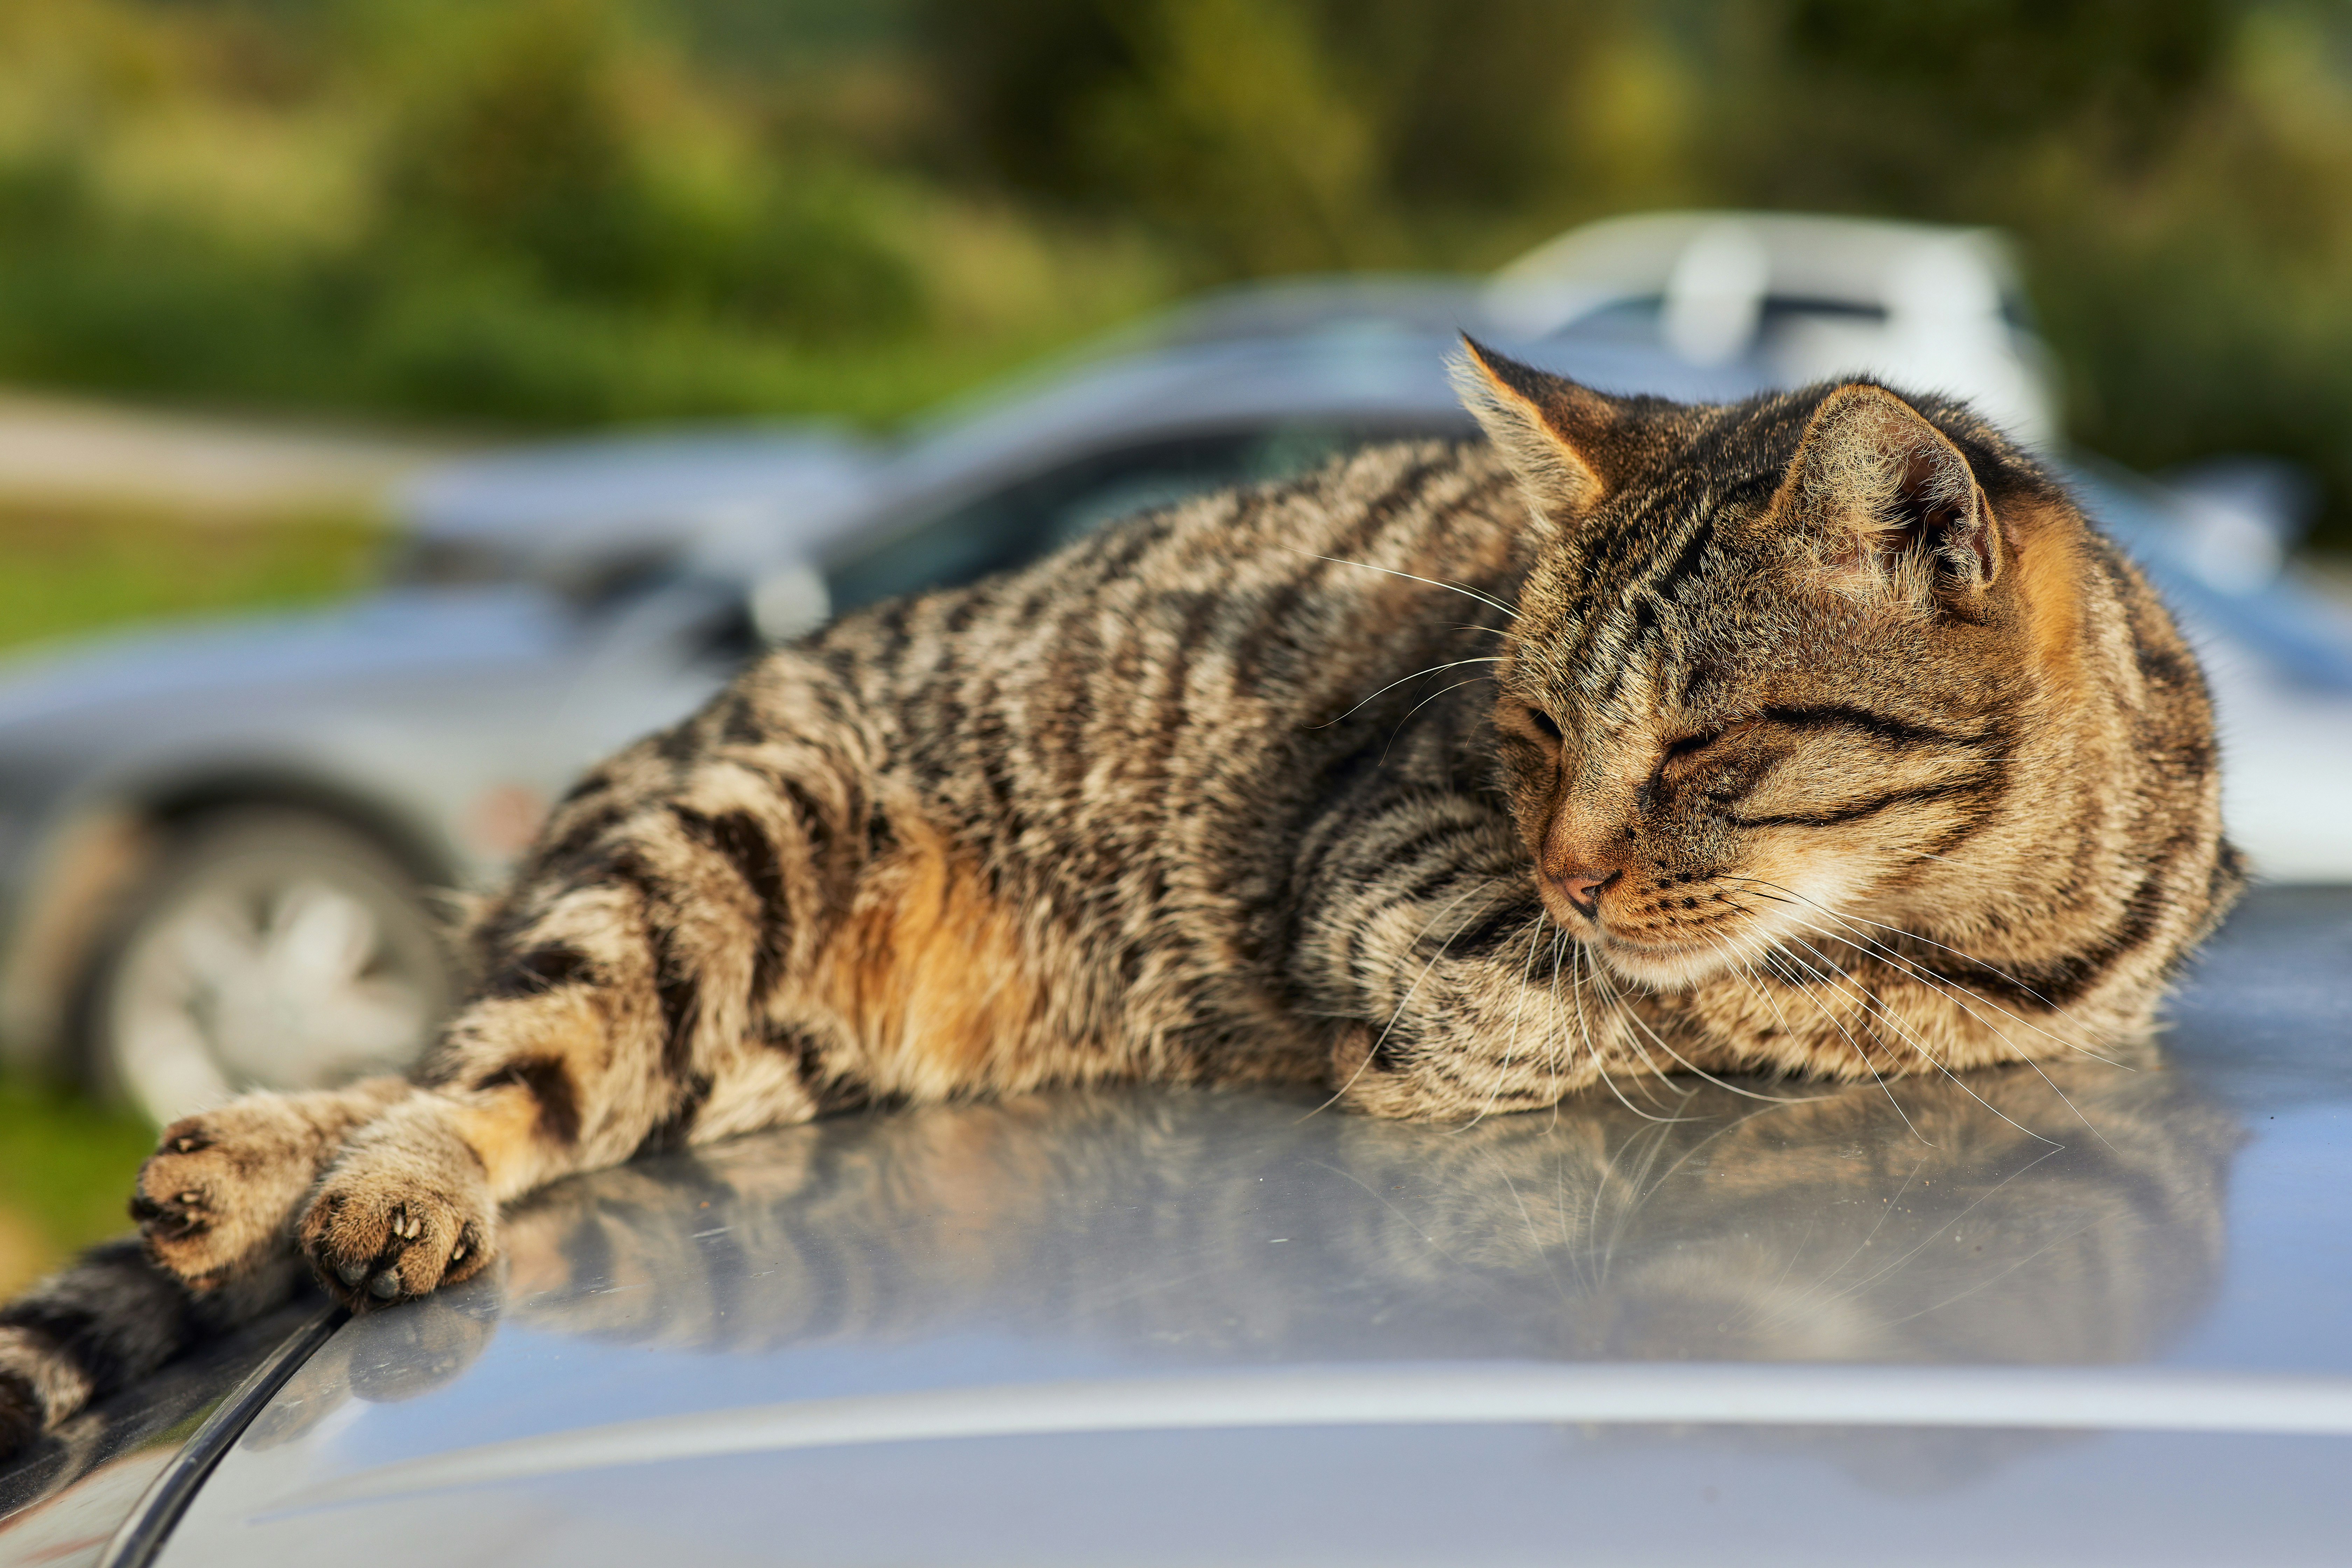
point(1015, 523)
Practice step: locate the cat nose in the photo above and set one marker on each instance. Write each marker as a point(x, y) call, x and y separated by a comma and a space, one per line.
point(1583, 890)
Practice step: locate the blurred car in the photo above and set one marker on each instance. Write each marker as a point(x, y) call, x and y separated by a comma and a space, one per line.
point(2090, 1319)
point(216, 842)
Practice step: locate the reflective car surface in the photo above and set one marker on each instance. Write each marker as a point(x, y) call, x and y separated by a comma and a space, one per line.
point(2089, 1317)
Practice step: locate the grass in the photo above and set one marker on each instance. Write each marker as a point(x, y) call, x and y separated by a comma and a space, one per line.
point(65, 569)
point(65, 1162)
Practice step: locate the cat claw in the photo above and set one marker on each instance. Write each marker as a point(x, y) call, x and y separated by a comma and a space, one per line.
point(177, 1218)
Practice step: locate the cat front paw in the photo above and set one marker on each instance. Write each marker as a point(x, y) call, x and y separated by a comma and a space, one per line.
point(398, 1216)
point(221, 1187)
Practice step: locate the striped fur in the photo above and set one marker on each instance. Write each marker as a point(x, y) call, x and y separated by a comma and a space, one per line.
point(1817, 734)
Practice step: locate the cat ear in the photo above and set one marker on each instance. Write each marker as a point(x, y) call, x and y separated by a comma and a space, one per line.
point(1555, 435)
point(1886, 493)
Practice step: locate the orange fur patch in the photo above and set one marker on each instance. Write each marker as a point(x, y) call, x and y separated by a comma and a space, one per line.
point(505, 1122)
point(501, 1126)
point(930, 974)
point(2049, 570)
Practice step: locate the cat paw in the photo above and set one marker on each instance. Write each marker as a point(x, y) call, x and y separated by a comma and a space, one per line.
point(399, 1217)
point(221, 1186)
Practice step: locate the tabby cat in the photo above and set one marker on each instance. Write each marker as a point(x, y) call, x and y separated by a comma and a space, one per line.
point(1814, 734)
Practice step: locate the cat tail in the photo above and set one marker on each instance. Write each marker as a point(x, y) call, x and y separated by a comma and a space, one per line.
point(110, 1318)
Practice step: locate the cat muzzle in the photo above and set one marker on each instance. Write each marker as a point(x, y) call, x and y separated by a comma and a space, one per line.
point(1582, 889)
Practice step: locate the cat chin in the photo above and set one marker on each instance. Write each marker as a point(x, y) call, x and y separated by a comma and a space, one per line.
point(1665, 967)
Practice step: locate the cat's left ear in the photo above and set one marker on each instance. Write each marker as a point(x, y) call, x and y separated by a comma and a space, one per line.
point(1883, 492)
point(1558, 438)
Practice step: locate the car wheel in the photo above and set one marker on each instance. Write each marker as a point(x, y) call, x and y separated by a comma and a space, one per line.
point(271, 950)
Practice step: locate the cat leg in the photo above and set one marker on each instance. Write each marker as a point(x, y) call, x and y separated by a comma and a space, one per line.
point(1422, 927)
point(635, 976)
point(110, 1318)
point(219, 1195)
point(214, 1204)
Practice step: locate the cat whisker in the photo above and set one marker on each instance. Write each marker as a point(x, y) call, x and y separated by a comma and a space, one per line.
point(2004, 1039)
point(1687, 1066)
point(1919, 1046)
point(1641, 1182)
point(1810, 981)
point(1775, 960)
point(1565, 1052)
point(1518, 1017)
point(1390, 571)
point(1956, 953)
point(1880, 1015)
point(1658, 1078)
point(1943, 985)
point(1813, 1291)
point(1588, 965)
point(1861, 941)
point(1426, 702)
point(1982, 1199)
point(1416, 675)
point(1954, 991)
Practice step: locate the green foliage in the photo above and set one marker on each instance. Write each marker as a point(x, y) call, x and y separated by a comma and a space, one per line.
point(566, 211)
point(2179, 173)
point(1273, 136)
point(522, 211)
point(536, 152)
point(1966, 73)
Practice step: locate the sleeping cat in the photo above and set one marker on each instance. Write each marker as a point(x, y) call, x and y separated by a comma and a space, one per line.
point(1815, 734)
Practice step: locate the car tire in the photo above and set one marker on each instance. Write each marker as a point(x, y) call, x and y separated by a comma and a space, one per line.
point(270, 949)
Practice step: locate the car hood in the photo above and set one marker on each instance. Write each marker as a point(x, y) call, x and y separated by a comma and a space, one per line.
point(384, 634)
point(2088, 1315)
point(575, 514)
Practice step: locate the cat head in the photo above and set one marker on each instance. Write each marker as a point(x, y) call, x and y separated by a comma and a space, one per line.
point(1819, 651)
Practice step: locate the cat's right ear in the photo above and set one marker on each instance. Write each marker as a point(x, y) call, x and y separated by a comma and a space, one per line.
point(1555, 436)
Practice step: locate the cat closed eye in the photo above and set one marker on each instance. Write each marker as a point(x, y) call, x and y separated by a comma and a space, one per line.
point(1543, 724)
point(1693, 749)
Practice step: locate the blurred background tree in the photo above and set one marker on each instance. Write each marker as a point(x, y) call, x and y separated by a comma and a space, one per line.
point(561, 211)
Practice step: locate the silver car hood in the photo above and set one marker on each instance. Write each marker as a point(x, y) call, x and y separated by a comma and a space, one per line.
point(2093, 1317)
point(384, 634)
point(570, 513)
